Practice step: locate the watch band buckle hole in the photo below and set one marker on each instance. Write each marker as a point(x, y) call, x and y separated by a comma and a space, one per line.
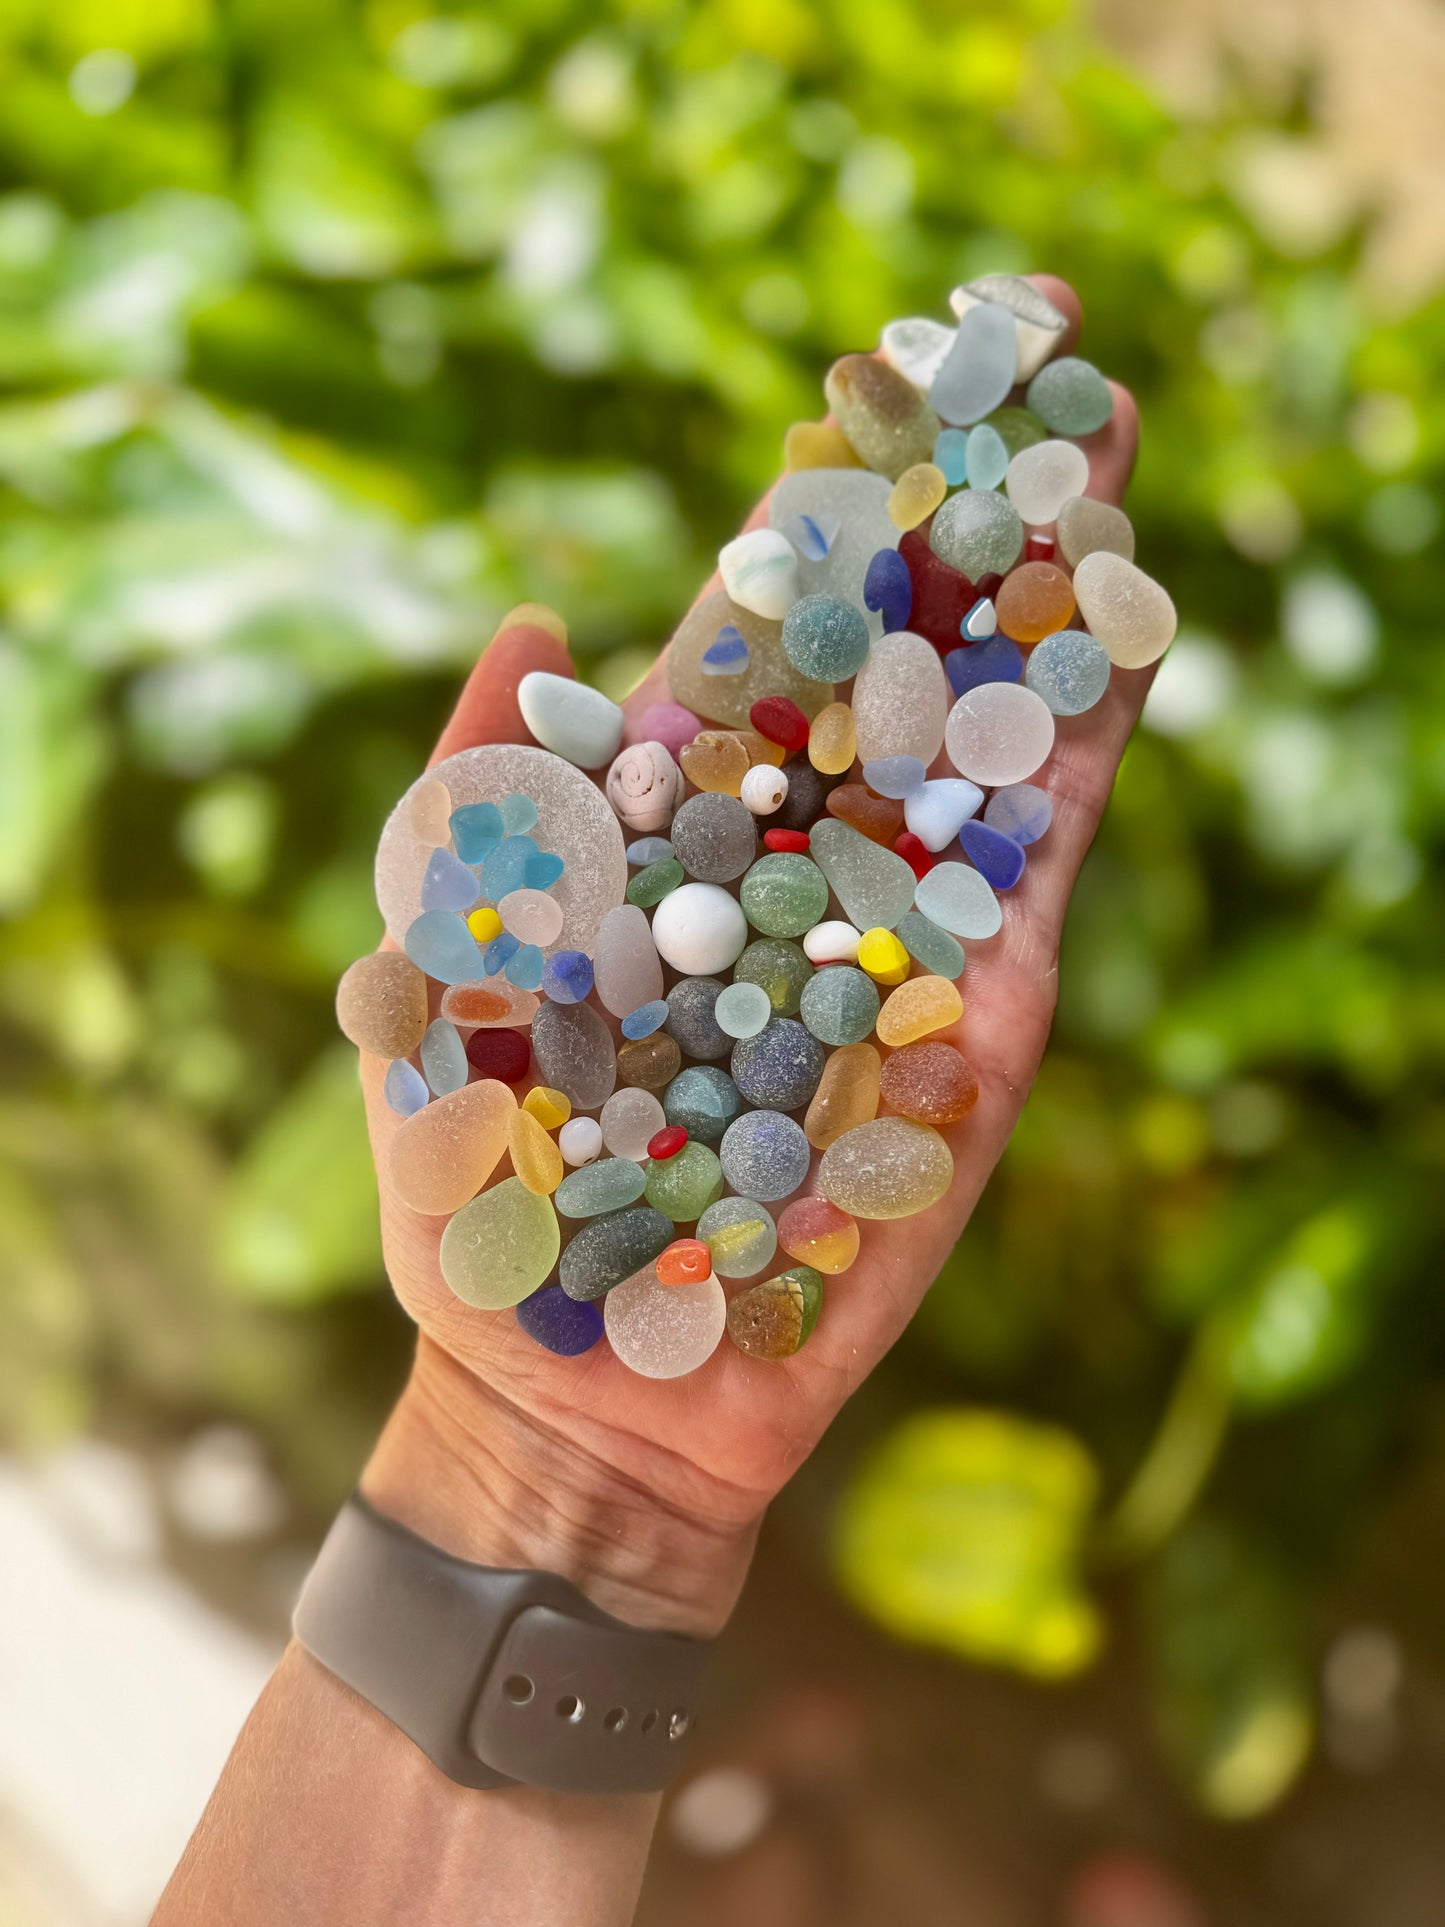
point(518, 1688)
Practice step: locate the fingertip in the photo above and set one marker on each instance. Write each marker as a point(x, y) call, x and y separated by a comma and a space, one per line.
point(487, 710)
point(1065, 300)
point(1112, 449)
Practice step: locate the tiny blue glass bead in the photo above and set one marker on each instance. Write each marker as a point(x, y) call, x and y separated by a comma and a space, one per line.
point(448, 883)
point(895, 776)
point(500, 952)
point(997, 858)
point(564, 1326)
point(649, 849)
point(888, 590)
point(812, 535)
point(542, 871)
point(476, 831)
point(567, 976)
point(518, 813)
point(506, 868)
point(997, 660)
point(950, 455)
point(441, 944)
point(1021, 810)
point(404, 1087)
point(525, 967)
point(986, 462)
point(728, 654)
point(647, 1018)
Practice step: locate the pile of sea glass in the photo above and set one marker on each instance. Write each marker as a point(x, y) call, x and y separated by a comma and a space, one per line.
point(749, 1044)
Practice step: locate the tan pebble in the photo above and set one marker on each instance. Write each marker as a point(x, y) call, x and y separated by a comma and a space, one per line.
point(645, 787)
point(381, 1004)
point(847, 1094)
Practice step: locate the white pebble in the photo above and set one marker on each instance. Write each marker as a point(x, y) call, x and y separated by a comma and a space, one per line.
point(743, 1010)
point(998, 734)
point(699, 929)
point(1042, 478)
point(580, 1140)
point(531, 916)
point(577, 723)
point(760, 572)
point(832, 943)
point(763, 789)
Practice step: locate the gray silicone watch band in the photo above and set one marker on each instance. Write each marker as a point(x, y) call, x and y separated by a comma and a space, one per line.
point(501, 1678)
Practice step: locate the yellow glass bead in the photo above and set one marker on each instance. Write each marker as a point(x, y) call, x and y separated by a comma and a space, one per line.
point(916, 494)
point(535, 1157)
point(817, 445)
point(485, 923)
point(832, 740)
point(915, 1009)
point(550, 1108)
point(883, 957)
point(715, 760)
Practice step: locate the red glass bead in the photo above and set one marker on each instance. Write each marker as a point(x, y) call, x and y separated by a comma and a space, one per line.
point(503, 1054)
point(667, 1142)
point(914, 852)
point(1039, 548)
point(780, 721)
point(785, 839)
point(942, 595)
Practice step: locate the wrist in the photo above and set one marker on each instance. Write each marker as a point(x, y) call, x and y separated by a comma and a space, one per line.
point(470, 1471)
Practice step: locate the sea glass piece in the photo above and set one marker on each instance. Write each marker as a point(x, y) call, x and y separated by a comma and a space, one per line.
point(882, 414)
point(526, 966)
point(499, 953)
point(839, 1006)
point(429, 811)
point(759, 571)
point(764, 1156)
point(999, 659)
point(832, 942)
point(630, 1118)
point(518, 813)
point(825, 638)
point(728, 699)
point(917, 1008)
point(651, 885)
point(917, 347)
point(1022, 811)
point(716, 762)
point(381, 1004)
point(950, 454)
point(979, 370)
point(404, 1088)
point(664, 1331)
point(476, 830)
point(1035, 600)
point(643, 1021)
point(567, 977)
point(743, 1010)
point(832, 741)
point(931, 1083)
point(611, 1184)
point(1041, 325)
point(728, 655)
point(439, 943)
point(780, 968)
point(667, 1143)
point(692, 1018)
point(607, 1250)
point(912, 850)
point(501, 1247)
point(930, 946)
point(560, 1324)
point(888, 587)
point(1017, 428)
point(935, 811)
point(580, 1140)
point(648, 849)
point(956, 898)
point(879, 818)
point(895, 776)
point(484, 923)
point(942, 596)
point(808, 791)
point(1043, 477)
point(669, 724)
point(977, 532)
point(780, 1067)
point(900, 700)
point(699, 929)
point(780, 721)
point(846, 1097)
point(812, 535)
point(887, 1169)
point(443, 1155)
point(531, 915)
point(817, 1233)
point(773, 1319)
point(740, 1235)
point(999, 733)
point(574, 823)
point(644, 786)
point(650, 1062)
point(986, 460)
point(488, 1004)
point(575, 1053)
point(981, 622)
point(1132, 616)
point(685, 1261)
point(882, 957)
point(542, 870)
point(1070, 396)
point(573, 720)
point(703, 1100)
point(536, 1159)
point(684, 1186)
point(1085, 526)
point(793, 842)
point(1070, 670)
point(816, 445)
point(783, 895)
point(551, 1108)
point(763, 790)
point(998, 859)
point(874, 886)
point(500, 1053)
point(627, 971)
point(448, 883)
point(443, 1057)
point(916, 494)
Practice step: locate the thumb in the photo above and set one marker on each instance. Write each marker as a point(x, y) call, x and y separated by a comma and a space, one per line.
point(529, 638)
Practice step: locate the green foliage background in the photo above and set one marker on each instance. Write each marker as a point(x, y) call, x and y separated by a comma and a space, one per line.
point(328, 332)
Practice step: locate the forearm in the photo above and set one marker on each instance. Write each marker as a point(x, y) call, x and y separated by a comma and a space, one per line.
point(326, 1812)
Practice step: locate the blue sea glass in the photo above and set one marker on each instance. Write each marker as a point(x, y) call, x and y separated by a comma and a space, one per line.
point(950, 455)
point(888, 590)
point(404, 1087)
point(441, 944)
point(525, 966)
point(565, 1326)
point(542, 870)
point(476, 831)
point(997, 660)
point(448, 883)
point(500, 952)
point(1021, 810)
point(894, 776)
point(567, 976)
point(518, 813)
point(643, 1021)
point(506, 868)
point(998, 859)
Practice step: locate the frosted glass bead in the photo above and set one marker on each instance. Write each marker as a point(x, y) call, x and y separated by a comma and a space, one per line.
point(832, 740)
point(779, 1068)
point(651, 885)
point(630, 1118)
point(664, 1331)
point(404, 1087)
point(608, 1250)
point(443, 1057)
point(1041, 325)
point(997, 660)
point(531, 915)
point(714, 837)
point(439, 943)
point(783, 894)
point(980, 368)
point(817, 1233)
point(950, 453)
point(999, 733)
point(839, 1006)
point(873, 886)
point(580, 1140)
point(759, 571)
point(887, 1169)
point(542, 870)
point(1071, 397)
point(448, 883)
point(703, 1101)
point(501, 1247)
point(1042, 478)
point(729, 699)
point(986, 460)
point(935, 811)
point(917, 1008)
point(895, 776)
point(1070, 670)
point(740, 1235)
point(381, 1004)
point(484, 923)
point(1035, 601)
point(763, 790)
point(574, 721)
point(929, 1082)
point(648, 849)
point(860, 501)
point(443, 1155)
point(900, 700)
point(499, 953)
point(833, 942)
point(847, 1095)
point(525, 967)
point(882, 955)
point(935, 949)
point(428, 811)
point(884, 417)
point(643, 1021)
point(998, 859)
point(917, 347)
point(699, 929)
point(1132, 616)
point(743, 1010)
point(825, 639)
point(916, 494)
point(536, 1159)
point(879, 818)
point(476, 830)
point(567, 977)
point(644, 786)
point(685, 1185)
point(610, 1184)
point(493, 1004)
point(558, 1323)
point(692, 1018)
point(764, 1156)
point(626, 968)
point(550, 1108)
point(575, 1053)
point(773, 1319)
point(888, 587)
point(977, 531)
point(957, 899)
point(780, 968)
point(518, 813)
point(649, 1062)
point(1086, 525)
point(1022, 811)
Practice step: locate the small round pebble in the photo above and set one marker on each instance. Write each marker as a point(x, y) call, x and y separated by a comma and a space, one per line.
point(765, 1156)
point(1132, 616)
point(531, 915)
point(1042, 478)
point(743, 1009)
point(780, 1067)
point(764, 790)
point(685, 1185)
point(692, 1019)
point(702, 1100)
point(664, 1331)
point(839, 1006)
point(999, 733)
point(649, 1062)
point(699, 929)
point(567, 977)
point(1021, 810)
point(714, 836)
point(575, 1052)
point(1086, 525)
point(832, 942)
point(647, 1018)
point(887, 1169)
point(629, 1119)
point(1070, 670)
point(607, 1250)
point(978, 532)
point(573, 720)
point(580, 1140)
point(503, 1054)
point(739, 1235)
point(784, 895)
point(1070, 396)
point(807, 795)
point(780, 968)
point(1037, 599)
point(930, 1082)
point(825, 639)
